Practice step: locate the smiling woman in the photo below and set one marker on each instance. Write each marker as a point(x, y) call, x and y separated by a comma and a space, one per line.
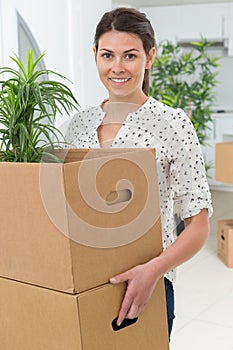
point(121, 62)
point(124, 49)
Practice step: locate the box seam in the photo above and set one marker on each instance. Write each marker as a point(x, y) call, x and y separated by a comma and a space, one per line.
point(73, 289)
point(79, 322)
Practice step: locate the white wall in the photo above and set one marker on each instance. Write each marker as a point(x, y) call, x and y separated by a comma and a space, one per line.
point(65, 30)
point(8, 30)
point(82, 30)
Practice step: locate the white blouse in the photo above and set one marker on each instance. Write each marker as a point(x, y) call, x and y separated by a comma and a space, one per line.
point(180, 165)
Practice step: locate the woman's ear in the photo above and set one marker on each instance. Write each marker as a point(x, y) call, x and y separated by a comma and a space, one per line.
point(150, 57)
point(95, 52)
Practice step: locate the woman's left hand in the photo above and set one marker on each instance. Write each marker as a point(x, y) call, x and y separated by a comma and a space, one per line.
point(141, 281)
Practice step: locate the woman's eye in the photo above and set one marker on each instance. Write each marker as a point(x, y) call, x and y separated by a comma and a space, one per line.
point(130, 56)
point(107, 55)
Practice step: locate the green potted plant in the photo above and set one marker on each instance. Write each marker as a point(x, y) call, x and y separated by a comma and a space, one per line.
point(187, 79)
point(29, 105)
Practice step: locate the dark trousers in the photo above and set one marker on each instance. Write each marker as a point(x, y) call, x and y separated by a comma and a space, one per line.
point(170, 304)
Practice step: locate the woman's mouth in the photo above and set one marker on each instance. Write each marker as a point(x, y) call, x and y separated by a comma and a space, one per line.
point(119, 81)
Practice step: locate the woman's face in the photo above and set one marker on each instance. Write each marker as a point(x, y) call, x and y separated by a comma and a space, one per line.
point(121, 62)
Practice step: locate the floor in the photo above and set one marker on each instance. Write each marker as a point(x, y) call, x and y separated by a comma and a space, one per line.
point(204, 292)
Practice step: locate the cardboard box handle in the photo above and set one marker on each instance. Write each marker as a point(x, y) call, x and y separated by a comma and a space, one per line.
point(223, 237)
point(120, 196)
point(125, 323)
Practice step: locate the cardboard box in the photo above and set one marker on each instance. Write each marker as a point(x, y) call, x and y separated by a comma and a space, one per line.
point(224, 162)
point(72, 226)
point(42, 319)
point(225, 241)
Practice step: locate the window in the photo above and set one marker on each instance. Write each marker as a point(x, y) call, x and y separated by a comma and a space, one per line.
point(26, 40)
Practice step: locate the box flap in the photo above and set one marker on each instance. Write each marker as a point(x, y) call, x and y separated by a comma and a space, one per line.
point(113, 237)
point(32, 248)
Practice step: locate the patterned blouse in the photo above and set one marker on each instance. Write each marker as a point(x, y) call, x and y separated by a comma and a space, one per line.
point(180, 165)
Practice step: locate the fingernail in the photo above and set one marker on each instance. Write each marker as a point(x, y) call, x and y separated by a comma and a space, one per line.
point(113, 280)
point(118, 323)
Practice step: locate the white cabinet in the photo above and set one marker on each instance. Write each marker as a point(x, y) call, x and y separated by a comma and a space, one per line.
point(210, 20)
point(214, 21)
point(223, 127)
point(220, 130)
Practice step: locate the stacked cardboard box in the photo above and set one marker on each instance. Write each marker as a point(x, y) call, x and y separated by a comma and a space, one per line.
point(225, 241)
point(42, 319)
point(224, 162)
point(224, 173)
point(65, 229)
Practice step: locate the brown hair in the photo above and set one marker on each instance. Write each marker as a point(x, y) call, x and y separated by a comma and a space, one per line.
point(131, 21)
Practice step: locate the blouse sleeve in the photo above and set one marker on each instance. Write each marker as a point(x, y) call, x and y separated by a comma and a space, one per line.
point(187, 169)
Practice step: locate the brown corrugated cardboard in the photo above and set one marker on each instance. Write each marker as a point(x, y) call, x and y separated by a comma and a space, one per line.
point(42, 319)
point(60, 227)
point(224, 162)
point(225, 241)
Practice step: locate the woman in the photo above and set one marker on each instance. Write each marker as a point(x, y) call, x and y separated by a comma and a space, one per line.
point(124, 50)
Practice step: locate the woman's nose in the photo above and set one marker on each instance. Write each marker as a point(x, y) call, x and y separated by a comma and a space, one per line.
point(118, 67)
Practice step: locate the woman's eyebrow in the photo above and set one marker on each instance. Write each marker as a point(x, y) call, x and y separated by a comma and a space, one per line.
point(126, 51)
point(106, 50)
point(131, 50)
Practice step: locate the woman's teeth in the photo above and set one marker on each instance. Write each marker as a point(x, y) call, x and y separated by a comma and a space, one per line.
point(116, 80)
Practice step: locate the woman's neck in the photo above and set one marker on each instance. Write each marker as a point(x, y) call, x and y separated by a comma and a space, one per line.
point(138, 99)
